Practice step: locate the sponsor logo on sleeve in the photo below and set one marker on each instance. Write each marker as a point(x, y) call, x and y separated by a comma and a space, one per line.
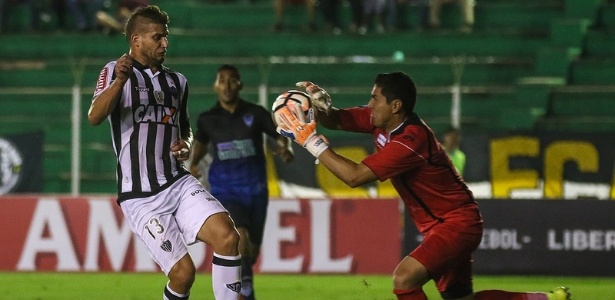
point(101, 84)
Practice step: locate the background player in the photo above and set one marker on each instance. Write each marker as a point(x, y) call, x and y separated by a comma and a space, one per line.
point(233, 129)
point(450, 141)
point(408, 153)
point(145, 103)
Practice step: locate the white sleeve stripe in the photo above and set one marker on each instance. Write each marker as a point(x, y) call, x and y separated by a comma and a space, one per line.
point(410, 148)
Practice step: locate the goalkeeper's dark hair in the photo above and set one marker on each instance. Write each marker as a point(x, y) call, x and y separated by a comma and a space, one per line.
point(144, 15)
point(231, 68)
point(398, 85)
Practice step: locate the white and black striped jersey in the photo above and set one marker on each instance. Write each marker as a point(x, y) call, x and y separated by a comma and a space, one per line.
point(149, 117)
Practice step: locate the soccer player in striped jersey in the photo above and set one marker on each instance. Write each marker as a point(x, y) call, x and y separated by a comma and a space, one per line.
point(146, 105)
point(407, 152)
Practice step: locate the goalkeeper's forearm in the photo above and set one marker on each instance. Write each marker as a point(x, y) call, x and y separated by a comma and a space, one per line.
point(351, 173)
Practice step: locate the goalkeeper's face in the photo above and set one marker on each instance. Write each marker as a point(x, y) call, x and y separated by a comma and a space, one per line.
point(227, 86)
point(382, 115)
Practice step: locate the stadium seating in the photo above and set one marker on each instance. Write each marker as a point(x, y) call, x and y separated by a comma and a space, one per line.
point(583, 104)
point(528, 65)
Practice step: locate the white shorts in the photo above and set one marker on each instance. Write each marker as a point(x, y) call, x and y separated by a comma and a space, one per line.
point(170, 220)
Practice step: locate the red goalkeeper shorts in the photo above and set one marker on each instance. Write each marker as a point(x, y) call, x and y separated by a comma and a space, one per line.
point(446, 252)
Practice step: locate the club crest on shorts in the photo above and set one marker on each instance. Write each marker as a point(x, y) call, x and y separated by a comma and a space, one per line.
point(159, 95)
point(235, 287)
point(166, 246)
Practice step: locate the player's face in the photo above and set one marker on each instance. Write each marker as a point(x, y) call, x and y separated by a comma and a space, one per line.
point(227, 86)
point(152, 43)
point(452, 139)
point(382, 111)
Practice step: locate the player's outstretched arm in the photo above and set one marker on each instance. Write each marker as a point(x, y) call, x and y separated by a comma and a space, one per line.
point(351, 173)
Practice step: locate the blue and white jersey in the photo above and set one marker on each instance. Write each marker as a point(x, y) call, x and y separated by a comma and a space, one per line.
point(235, 141)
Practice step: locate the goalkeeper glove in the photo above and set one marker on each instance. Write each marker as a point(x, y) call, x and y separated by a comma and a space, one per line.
point(302, 133)
point(320, 98)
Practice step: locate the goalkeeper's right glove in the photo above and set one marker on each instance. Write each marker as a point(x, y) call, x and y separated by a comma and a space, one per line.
point(300, 132)
point(320, 98)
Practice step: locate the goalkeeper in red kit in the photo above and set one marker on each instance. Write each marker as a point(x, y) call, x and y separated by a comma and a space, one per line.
point(408, 153)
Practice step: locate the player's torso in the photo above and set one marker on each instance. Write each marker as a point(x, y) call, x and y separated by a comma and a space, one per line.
point(236, 144)
point(152, 98)
point(144, 125)
point(233, 136)
point(430, 186)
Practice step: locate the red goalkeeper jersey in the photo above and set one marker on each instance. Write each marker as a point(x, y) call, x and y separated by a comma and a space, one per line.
point(419, 169)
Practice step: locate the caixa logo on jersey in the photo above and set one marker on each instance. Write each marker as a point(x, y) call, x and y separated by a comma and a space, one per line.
point(10, 166)
point(156, 114)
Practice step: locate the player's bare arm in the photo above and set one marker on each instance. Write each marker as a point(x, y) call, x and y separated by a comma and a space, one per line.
point(284, 149)
point(106, 101)
point(351, 173)
point(329, 120)
point(199, 150)
point(291, 123)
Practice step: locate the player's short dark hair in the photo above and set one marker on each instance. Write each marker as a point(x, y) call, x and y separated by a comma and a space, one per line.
point(398, 85)
point(452, 129)
point(231, 68)
point(151, 13)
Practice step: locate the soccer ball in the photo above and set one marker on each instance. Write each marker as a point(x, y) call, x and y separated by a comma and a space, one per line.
point(297, 101)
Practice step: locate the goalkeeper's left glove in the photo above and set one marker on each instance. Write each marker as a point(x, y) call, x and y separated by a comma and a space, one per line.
point(302, 133)
point(320, 98)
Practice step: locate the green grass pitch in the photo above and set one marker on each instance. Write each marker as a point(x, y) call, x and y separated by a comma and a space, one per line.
point(117, 286)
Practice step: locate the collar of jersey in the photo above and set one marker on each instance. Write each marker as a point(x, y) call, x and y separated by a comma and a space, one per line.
point(240, 105)
point(138, 65)
point(414, 119)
